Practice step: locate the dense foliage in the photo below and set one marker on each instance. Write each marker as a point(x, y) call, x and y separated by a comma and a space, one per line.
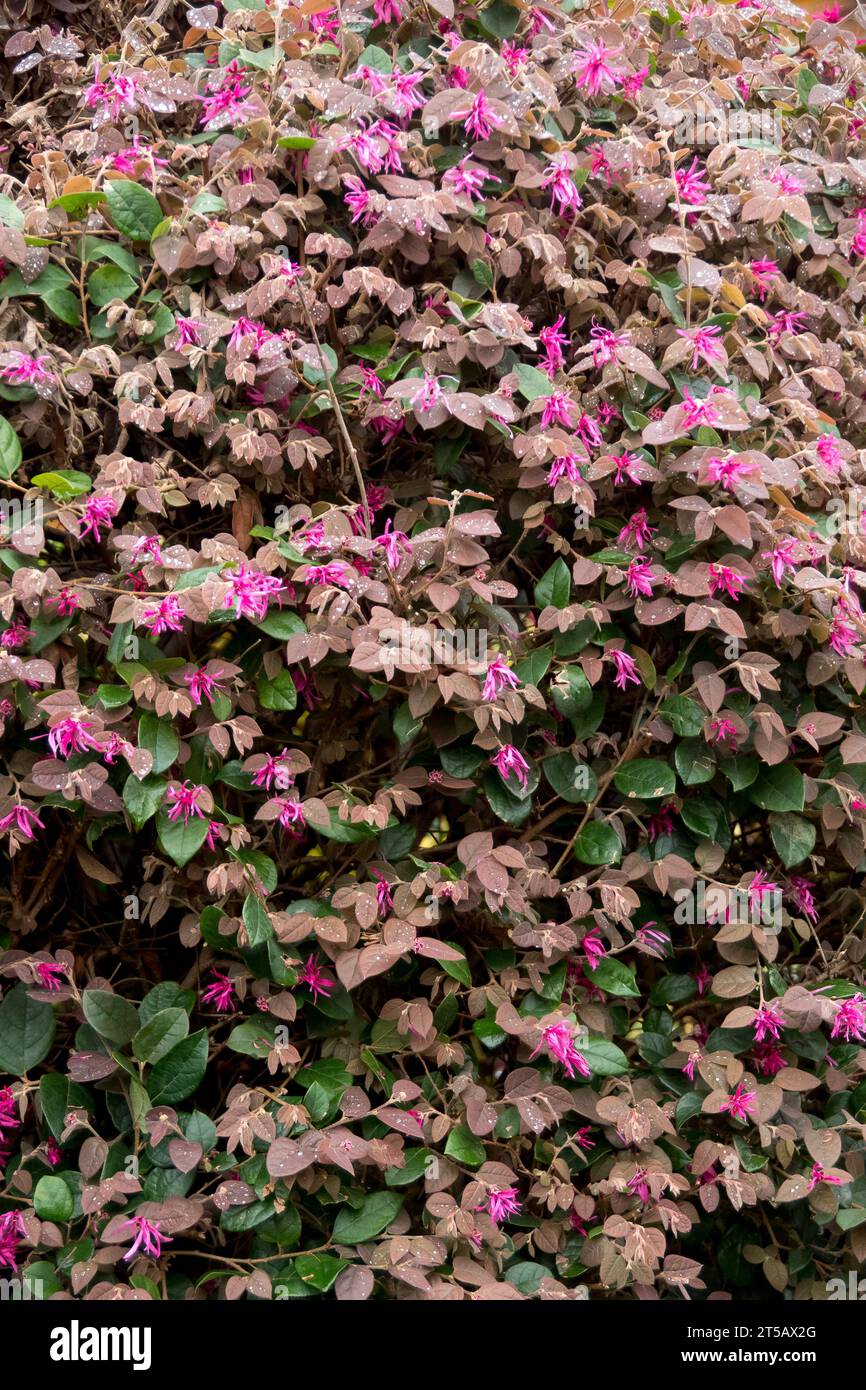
point(433, 778)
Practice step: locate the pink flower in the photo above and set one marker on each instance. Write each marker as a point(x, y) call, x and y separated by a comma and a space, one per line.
point(220, 993)
point(829, 453)
point(704, 344)
point(251, 592)
point(167, 616)
point(593, 72)
point(759, 888)
point(593, 948)
point(785, 322)
point(514, 58)
point(661, 823)
point(564, 195)
point(691, 186)
point(480, 120)
point(626, 669)
point(314, 977)
point(202, 685)
point(763, 271)
point(553, 340)
point(558, 408)
point(48, 970)
point(800, 891)
point(499, 677)
point(788, 183)
point(691, 1065)
point(12, 1231)
point(606, 345)
point(291, 816)
point(509, 760)
point(428, 395)
point(818, 1174)
point(117, 93)
point(65, 601)
point(22, 369)
point(639, 579)
point(227, 100)
point(849, 1021)
point(395, 544)
point(468, 181)
point(71, 735)
point(768, 1022)
point(501, 1203)
point(565, 466)
point(653, 942)
point(148, 1237)
point(626, 469)
point(183, 800)
point(724, 730)
point(727, 471)
point(589, 432)
point(697, 412)
point(384, 896)
point(636, 531)
point(727, 581)
point(273, 769)
point(558, 1041)
point(357, 198)
point(99, 510)
point(188, 332)
point(781, 559)
point(318, 576)
point(740, 1103)
point(387, 11)
point(767, 1058)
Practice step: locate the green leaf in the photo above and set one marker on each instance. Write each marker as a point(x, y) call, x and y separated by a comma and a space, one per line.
point(159, 739)
point(112, 1016)
point(178, 1074)
point(553, 589)
point(133, 209)
point(685, 716)
point(64, 305)
point(598, 843)
point(694, 762)
point(319, 1271)
point(646, 778)
point(281, 623)
point(181, 842)
point(10, 447)
point(53, 1200)
point(779, 788)
point(256, 920)
point(279, 693)
point(10, 213)
point(163, 1032)
point(465, 1147)
point(76, 204)
point(54, 1100)
point(604, 1058)
point(108, 283)
point(63, 483)
point(26, 1031)
point(375, 1213)
point(574, 782)
point(143, 799)
point(614, 977)
point(482, 273)
point(793, 837)
point(531, 382)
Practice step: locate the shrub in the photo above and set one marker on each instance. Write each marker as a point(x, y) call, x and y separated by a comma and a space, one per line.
point(434, 770)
